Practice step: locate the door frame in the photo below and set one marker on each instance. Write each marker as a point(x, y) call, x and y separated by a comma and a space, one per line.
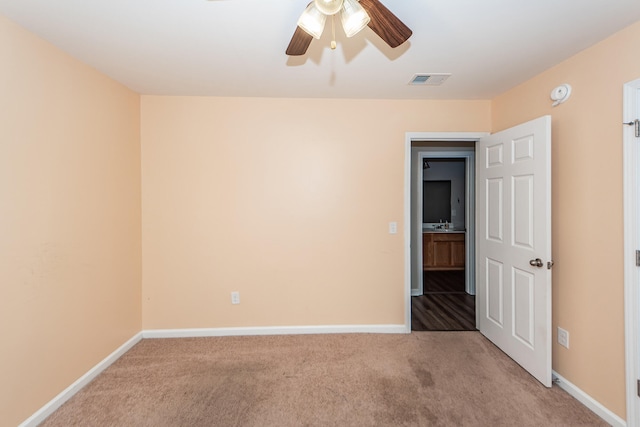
point(631, 172)
point(446, 153)
point(422, 137)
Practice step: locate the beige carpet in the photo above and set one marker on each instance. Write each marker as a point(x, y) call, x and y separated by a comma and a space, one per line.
point(421, 379)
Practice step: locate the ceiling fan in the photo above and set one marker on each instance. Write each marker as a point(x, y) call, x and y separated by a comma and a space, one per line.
point(355, 15)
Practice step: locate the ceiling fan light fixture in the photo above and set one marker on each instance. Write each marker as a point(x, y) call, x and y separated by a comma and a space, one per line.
point(354, 18)
point(312, 20)
point(374, 15)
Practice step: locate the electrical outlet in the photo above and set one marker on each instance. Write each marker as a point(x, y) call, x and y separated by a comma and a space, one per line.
point(235, 297)
point(563, 337)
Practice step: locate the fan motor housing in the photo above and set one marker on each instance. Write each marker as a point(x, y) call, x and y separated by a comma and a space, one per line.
point(329, 7)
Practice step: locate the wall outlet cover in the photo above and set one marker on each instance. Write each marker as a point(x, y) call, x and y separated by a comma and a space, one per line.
point(393, 227)
point(563, 337)
point(235, 297)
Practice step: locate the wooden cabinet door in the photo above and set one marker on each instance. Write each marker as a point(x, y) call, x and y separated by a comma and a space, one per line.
point(457, 254)
point(427, 251)
point(443, 251)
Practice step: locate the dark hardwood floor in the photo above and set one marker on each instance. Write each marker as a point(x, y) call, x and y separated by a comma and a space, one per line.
point(445, 306)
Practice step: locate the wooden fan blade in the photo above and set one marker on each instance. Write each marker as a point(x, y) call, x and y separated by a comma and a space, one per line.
point(385, 24)
point(299, 42)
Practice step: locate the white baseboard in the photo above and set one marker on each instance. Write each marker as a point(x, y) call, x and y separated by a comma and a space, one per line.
point(588, 401)
point(274, 330)
point(68, 393)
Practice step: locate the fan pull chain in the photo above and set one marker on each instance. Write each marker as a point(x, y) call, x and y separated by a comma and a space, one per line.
point(333, 32)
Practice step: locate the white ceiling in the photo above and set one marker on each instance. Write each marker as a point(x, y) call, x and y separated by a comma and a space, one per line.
point(237, 47)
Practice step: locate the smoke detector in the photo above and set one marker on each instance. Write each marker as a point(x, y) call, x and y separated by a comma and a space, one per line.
point(428, 79)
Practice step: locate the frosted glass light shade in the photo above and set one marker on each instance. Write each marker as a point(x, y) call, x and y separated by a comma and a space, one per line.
point(354, 18)
point(312, 20)
point(329, 7)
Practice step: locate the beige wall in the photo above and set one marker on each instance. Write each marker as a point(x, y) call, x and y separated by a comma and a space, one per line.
point(587, 207)
point(69, 220)
point(286, 201)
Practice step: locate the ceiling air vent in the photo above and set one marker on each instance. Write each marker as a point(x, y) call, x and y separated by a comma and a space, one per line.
point(428, 79)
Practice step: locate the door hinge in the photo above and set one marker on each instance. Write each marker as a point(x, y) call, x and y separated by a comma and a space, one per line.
point(637, 258)
point(636, 125)
point(638, 388)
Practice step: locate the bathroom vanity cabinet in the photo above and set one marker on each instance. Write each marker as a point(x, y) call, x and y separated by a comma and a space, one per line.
point(443, 250)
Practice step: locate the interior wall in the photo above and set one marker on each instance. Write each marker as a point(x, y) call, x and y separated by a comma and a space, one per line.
point(587, 207)
point(70, 249)
point(287, 201)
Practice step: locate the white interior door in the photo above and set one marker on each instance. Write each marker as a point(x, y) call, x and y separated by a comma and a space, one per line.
point(513, 264)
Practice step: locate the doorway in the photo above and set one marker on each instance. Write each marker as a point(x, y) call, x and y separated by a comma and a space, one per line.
point(442, 233)
point(512, 235)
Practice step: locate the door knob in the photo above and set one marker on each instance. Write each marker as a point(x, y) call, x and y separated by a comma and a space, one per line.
point(536, 262)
